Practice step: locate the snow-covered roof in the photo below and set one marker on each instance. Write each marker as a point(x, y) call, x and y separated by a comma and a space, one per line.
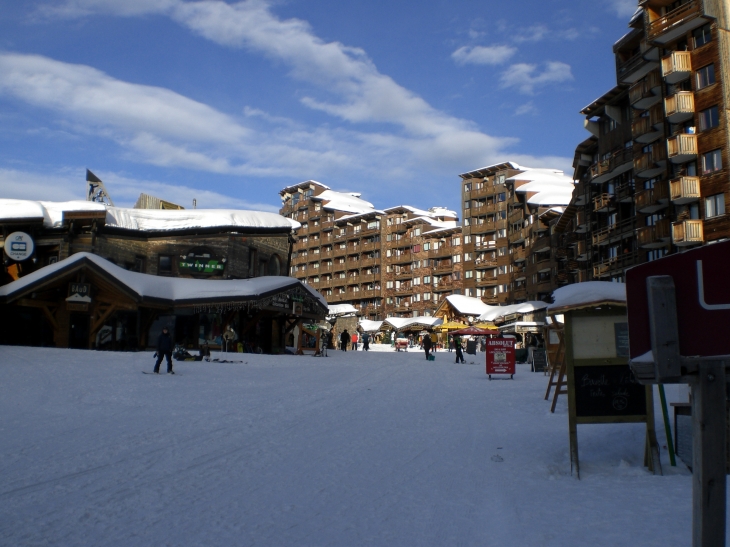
point(467, 305)
point(370, 326)
point(399, 323)
point(174, 290)
point(305, 184)
point(160, 220)
point(340, 201)
point(552, 187)
point(495, 312)
point(442, 212)
point(587, 294)
point(147, 220)
point(341, 309)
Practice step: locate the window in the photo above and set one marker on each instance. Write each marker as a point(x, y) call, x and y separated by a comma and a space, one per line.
point(705, 76)
point(711, 162)
point(501, 196)
point(467, 187)
point(427, 279)
point(164, 265)
point(467, 204)
point(715, 205)
point(469, 274)
point(709, 118)
point(702, 35)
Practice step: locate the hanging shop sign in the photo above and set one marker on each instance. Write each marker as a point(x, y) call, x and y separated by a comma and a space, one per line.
point(201, 261)
point(19, 246)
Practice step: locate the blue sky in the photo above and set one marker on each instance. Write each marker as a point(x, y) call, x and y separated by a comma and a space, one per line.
point(228, 102)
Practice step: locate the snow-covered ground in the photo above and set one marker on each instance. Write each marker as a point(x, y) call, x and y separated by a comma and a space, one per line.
point(381, 448)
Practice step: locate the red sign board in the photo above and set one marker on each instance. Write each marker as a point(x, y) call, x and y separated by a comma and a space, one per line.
point(500, 356)
point(703, 300)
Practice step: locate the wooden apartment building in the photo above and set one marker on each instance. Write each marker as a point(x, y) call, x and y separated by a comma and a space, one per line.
point(653, 176)
point(397, 262)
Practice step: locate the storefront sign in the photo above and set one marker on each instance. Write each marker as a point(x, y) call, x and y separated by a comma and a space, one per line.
point(500, 356)
point(81, 289)
point(19, 246)
point(201, 261)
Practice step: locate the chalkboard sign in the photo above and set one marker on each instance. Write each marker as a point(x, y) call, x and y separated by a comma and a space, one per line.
point(539, 360)
point(608, 390)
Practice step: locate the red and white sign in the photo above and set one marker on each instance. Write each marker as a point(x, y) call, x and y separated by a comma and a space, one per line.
point(703, 300)
point(500, 356)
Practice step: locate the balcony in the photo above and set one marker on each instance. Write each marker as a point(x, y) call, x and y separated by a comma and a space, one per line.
point(484, 263)
point(443, 265)
point(443, 250)
point(647, 92)
point(619, 162)
point(518, 255)
point(677, 66)
point(682, 148)
point(654, 237)
point(676, 23)
point(652, 199)
point(614, 232)
point(680, 107)
point(517, 237)
point(644, 131)
point(604, 204)
point(687, 232)
point(684, 190)
point(484, 228)
point(651, 163)
point(488, 281)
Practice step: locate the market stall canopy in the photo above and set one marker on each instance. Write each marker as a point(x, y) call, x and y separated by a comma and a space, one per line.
point(588, 294)
point(452, 325)
point(172, 292)
point(474, 331)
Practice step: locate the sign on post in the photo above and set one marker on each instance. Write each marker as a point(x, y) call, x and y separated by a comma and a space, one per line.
point(500, 356)
point(19, 246)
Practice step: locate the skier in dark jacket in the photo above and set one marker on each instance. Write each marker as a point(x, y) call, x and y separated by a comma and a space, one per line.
point(164, 349)
point(344, 340)
point(459, 352)
point(427, 344)
point(365, 341)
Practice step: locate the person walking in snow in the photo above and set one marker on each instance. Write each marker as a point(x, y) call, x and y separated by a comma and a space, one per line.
point(365, 341)
point(427, 345)
point(344, 340)
point(354, 341)
point(323, 343)
point(459, 353)
point(164, 349)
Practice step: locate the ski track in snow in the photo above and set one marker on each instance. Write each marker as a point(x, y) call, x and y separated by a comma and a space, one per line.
point(374, 449)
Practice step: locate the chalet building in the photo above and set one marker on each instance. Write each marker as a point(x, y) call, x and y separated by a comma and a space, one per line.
point(41, 240)
point(653, 177)
point(396, 262)
point(507, 211)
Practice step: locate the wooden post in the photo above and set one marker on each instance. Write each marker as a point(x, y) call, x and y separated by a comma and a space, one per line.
point(709, 455)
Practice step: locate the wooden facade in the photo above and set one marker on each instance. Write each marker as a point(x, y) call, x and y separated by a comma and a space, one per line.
point(668, 116)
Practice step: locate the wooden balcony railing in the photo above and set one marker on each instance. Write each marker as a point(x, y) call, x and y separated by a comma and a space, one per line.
point(653, 237)
point(603, 203)
point(675, 17)
point(684, 189)
point(687, 232)
point(676, 66)
point(682, 148)
point(680, 106)
point(652, 199)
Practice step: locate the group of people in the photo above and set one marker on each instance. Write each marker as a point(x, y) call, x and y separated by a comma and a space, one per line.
point(454, 342)
point(346, 340)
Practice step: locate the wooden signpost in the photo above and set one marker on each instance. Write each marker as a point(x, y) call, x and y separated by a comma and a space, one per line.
point(691, 286)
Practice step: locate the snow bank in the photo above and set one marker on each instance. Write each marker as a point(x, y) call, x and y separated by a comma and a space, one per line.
point(377, 448)
point(339, 201)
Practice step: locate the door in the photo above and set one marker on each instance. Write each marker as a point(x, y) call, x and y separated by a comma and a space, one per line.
point(78, 332)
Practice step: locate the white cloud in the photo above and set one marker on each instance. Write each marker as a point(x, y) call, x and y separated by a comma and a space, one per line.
point(534, 33)
point(483, 55)
point(527, 108)
point(345, 84)
point(68, 185)
point(523, 76)
point(623, 8)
